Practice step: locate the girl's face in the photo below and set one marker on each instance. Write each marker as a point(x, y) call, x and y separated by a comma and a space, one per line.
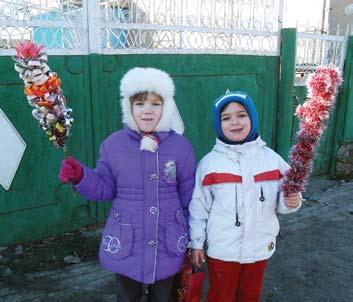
point(235, 122)
point(147, 111)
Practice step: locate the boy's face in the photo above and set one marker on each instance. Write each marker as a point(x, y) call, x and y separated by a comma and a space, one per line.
point(235, 122)
point(147, 112)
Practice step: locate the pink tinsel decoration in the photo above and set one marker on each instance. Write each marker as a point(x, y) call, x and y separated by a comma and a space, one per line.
point(322, 89)
point(28, 49)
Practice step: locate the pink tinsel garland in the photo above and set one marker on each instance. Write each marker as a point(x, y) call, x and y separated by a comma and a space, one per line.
point(322, 89)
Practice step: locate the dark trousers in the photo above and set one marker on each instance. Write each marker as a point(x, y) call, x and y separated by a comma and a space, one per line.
point(235, 282)
point(129, 290)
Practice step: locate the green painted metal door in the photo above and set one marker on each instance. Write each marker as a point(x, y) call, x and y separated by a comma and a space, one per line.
point(37, 204)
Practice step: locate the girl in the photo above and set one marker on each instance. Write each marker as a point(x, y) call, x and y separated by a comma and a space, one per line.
point(147, 170)
point(233, 207)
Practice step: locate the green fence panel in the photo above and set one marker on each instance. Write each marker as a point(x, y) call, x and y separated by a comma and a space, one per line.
point(348, 94)
point(37, 204)
point(286, 91)
point(344, 123)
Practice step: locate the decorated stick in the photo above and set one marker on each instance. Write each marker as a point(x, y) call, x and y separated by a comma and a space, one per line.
point(43, 91)
point(322, 90)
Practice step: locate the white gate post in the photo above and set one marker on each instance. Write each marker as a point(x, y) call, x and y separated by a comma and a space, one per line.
point(92, 14)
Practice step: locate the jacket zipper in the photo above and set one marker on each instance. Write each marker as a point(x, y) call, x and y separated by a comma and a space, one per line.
point(157, 196)
point(237, 222)
point(144, 218)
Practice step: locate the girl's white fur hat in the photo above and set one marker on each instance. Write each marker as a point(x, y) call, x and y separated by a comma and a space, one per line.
point(138, 80)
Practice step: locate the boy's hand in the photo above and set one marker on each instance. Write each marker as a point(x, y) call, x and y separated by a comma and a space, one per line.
point(198, 257)
point(292, 201)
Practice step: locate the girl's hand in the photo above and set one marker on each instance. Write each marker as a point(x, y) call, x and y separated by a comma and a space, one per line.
point(198, 257)
point(70, 171)
point(292, 201)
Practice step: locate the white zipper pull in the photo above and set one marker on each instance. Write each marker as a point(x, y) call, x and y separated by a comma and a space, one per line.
point(262, 199)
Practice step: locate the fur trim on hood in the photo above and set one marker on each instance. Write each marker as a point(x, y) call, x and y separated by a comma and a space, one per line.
point(138, 80)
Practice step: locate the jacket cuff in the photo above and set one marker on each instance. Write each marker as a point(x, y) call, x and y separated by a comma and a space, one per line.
point(196, 244)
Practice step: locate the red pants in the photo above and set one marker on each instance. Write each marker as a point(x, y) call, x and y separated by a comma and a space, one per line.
point(235, 282)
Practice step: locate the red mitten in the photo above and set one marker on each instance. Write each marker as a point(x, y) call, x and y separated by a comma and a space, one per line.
point(71, 171)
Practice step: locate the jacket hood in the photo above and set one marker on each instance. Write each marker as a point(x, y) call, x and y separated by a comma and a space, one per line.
point(139, 80)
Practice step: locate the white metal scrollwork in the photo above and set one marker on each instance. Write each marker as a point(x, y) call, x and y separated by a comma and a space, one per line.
point(200, 26)
point(56, 24)
point(315, 49)
point(148, 26)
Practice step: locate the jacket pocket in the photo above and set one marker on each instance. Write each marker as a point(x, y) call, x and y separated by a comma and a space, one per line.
point(117, 239)
point(177, 238)
point(266, 198)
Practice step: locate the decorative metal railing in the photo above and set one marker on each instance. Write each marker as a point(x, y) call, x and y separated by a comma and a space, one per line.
point(148, 26)
point(182, 26)
point(162, 26)
point(59, 25)
point(315, 49)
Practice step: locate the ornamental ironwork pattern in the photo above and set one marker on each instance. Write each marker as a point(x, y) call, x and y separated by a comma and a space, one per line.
point(162, 26)
point(238, 26)
point(53, 23)
point(314, 49)
point(132, 26)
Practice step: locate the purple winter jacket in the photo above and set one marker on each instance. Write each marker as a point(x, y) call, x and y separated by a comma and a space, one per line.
point(146, 234)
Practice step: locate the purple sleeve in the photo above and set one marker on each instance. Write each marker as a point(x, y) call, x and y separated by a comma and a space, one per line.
point(98, 183)
point(186, 182)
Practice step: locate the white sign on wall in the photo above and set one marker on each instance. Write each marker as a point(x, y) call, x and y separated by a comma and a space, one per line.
point(12, 147)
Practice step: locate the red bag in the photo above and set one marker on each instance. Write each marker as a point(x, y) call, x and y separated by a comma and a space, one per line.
point(192, 279)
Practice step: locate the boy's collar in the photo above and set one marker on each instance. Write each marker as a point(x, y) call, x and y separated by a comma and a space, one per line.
point(243, 148)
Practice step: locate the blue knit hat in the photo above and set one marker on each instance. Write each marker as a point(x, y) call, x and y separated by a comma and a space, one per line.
point(243, 99)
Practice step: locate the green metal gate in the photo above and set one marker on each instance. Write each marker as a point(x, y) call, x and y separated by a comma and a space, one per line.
point(37, 204)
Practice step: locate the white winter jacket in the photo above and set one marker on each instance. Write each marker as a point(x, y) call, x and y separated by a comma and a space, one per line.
point(238, 180)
